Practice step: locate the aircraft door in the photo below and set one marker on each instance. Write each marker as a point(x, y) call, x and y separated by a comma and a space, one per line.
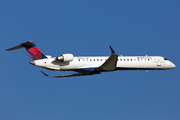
point(158, 62)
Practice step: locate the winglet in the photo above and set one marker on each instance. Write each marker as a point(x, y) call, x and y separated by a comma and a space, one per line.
point(45, 74)
point(112, 51)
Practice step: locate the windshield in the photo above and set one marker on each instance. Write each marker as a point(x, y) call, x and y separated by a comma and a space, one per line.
point(165, 59)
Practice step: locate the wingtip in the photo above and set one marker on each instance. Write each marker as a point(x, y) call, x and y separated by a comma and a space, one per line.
point(112, 49)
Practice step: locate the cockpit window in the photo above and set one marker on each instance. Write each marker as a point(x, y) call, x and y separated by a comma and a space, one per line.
point(165, 59)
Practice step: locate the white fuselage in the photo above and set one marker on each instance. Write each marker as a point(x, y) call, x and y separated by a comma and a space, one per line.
point(123, 63)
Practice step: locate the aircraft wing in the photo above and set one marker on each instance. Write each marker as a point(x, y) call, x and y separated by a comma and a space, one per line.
point(109, 64)
point(70, 75)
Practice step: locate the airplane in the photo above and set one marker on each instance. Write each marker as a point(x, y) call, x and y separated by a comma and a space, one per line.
point(88, 65)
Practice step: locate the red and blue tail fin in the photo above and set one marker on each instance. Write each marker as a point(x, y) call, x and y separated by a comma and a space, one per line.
point(31, 48)
point(33, 51)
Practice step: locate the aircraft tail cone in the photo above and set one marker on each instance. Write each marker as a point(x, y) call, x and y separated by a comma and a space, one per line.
point(32, 63)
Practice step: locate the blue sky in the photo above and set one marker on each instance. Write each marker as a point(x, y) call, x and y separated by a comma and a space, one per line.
point(87, 28)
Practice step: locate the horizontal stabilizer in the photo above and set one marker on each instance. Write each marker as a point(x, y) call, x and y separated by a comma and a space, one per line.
point(14, 48)
point(27, 44)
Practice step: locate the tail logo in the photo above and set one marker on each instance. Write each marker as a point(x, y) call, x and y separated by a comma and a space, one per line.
point(31, 48)
point(33, 51)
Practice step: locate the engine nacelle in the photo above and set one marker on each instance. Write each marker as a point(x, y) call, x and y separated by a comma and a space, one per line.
point(65, 58)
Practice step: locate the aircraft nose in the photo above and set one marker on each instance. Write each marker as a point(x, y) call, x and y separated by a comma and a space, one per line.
point(32, 62)
point(172, 65)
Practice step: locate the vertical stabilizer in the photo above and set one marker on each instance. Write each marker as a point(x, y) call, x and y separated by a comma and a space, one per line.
point(31, 48)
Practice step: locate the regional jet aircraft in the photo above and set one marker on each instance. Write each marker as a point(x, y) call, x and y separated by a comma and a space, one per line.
point(87, 65)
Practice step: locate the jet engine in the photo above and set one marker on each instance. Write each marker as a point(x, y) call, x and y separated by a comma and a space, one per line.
point(65, 58)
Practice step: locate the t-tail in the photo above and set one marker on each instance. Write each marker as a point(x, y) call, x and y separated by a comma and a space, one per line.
point(31, 48)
